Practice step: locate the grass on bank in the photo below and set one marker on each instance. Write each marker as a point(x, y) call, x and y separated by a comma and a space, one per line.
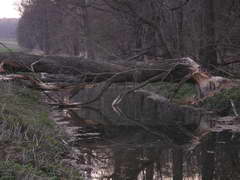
point(221, 102)
point(184, 93)
point(11, 44)
point(31, 146)
point(6, 50)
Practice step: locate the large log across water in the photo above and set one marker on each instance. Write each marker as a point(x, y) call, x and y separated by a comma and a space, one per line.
point(84, 70)
point(16, 62)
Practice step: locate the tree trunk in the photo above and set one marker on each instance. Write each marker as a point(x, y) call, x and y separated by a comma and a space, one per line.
point(208, 159)
point(208, 53)
point(171, 70)
point(89, 53)
point(177, 164)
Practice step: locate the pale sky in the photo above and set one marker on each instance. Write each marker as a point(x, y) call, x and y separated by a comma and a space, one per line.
point(8, 9)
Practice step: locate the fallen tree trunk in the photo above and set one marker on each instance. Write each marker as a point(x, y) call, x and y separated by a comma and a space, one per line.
point(21, 62)
point(179, 70)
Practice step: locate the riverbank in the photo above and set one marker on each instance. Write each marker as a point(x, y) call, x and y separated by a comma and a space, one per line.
point(31, 145)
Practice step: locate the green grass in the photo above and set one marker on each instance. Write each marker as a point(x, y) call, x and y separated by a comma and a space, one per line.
point(221, 102)
point(31, 145)
point(169, 89)
point(12, 49)
point(11, 44)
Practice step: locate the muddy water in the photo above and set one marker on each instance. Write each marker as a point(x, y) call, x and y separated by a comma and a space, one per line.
point(128, 144)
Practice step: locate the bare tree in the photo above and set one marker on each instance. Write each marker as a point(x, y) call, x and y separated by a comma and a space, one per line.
point(145, 29)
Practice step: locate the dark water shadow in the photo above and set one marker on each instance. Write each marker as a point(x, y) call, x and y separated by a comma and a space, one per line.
point(124, 147)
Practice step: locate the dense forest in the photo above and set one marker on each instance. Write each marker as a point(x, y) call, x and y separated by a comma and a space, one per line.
point(206, 30)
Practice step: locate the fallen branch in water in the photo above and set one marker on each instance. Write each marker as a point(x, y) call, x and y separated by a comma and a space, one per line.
point(83, 72)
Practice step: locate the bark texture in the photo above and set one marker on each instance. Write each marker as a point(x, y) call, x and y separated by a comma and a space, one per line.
point(76, 70)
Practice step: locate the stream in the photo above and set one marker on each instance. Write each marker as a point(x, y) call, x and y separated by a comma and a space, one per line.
point(134, 142)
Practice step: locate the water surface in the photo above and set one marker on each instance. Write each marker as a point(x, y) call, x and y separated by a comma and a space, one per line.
point(133, 143)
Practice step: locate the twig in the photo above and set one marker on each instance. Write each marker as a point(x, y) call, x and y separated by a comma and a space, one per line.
point(223, 71)
point(234, 108)
point(32, 65)
point(50, 97)
point(137, 56)
point(108, 83)
point(3, 45)
point(121, 96)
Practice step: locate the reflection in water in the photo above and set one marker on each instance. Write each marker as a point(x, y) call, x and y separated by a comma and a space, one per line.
point(114, 147)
